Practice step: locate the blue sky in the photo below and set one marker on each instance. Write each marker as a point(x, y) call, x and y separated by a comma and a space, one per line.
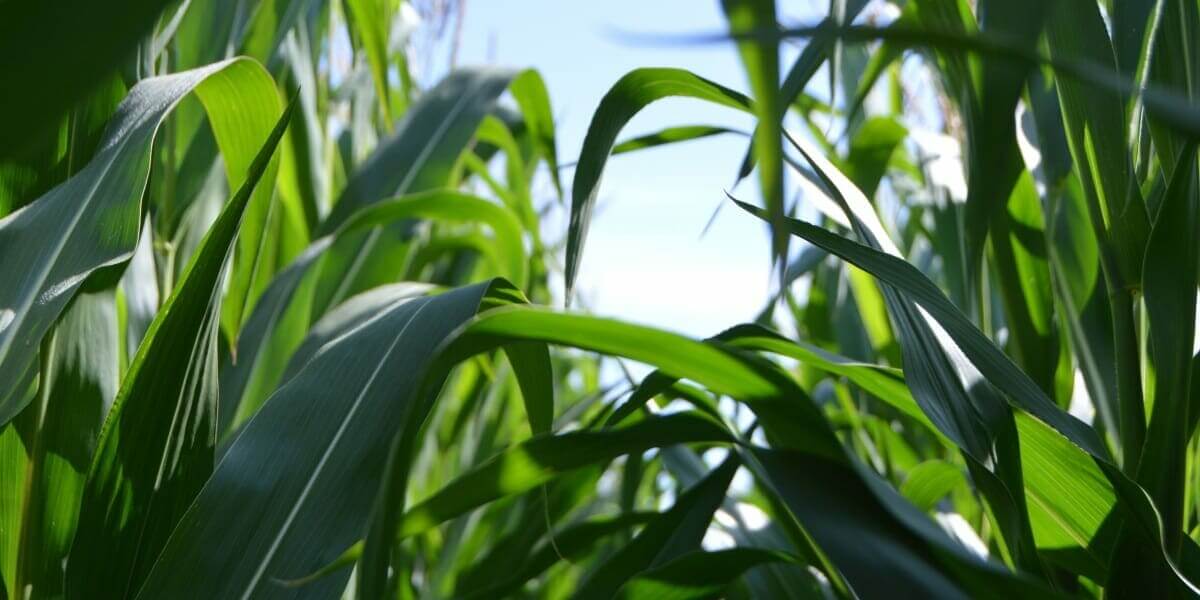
point(645, 260)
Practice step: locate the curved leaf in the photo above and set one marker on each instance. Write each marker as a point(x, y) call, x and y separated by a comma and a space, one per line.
point(95, 216)
point(628, 96)
point(328, 429)
point(156, 448)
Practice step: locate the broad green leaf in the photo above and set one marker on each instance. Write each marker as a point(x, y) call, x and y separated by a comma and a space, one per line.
point(420, 153)
point(1172, 274)
point(1097, 131)
point(796, 425)
point(157, 445)
point(296, 508)
point(96, 215)
point(273, 332)
point(794, 580)
point(815, 53)
point(1170, 61)
point(247, 107)
point(1069, 496)
point(627, 97)
point(994, 165)
point(52, 158)
point(1073, 255)
point(1130, 20)
point(1096, 124)
point(531, 364)
point(1018, 245)
point(698, 575)
point(871, 151)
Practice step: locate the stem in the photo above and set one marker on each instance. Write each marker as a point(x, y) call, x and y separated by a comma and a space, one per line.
point(1129, 380)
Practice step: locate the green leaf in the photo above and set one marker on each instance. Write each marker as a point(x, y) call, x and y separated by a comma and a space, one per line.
point(420, 153)
point(997, 368)
point(529, 91)
point(1172, 274)
point(369, 21)
point(1069, 497)
point(95, 216)
point(1171, 277)
point(296, 508)
point(929, 482)
point(815, 53)
point(53, 440)
point(760, 58)
point(59, 154)
point(671, 135)
point(273, 332)
point(156, 448)
point(418, 156)
point(1097, 131)
point(795, 425)
point(531, 363)
point(698, 575)
point(1169, 61)
point(628, 96)
point(878, 541)
point(974, 416)
point(570, 543)
point(538, 460)
point(994, 166)
point(670, 535)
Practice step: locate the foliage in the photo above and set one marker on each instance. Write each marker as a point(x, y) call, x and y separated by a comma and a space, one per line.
point(274, 326)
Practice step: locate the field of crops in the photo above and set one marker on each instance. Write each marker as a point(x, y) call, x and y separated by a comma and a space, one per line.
point(284, 313)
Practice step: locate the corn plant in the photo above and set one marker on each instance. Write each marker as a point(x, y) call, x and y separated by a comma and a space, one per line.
point(279, 322)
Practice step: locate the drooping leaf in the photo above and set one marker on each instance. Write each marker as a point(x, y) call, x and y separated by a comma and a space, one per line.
point(626, 98)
